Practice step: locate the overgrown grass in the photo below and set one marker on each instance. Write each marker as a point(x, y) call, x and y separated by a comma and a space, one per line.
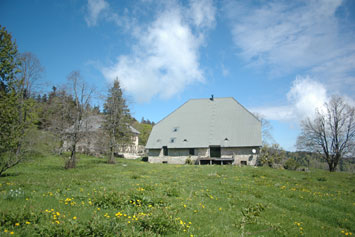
point(134, 198)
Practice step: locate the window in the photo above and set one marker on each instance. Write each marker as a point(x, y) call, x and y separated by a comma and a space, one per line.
point(192, 151)
point(243, 162)
point(175, 129)
point(172, 140)
point(185, 140)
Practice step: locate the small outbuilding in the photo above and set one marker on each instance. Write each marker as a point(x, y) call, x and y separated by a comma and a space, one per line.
point(212, 131)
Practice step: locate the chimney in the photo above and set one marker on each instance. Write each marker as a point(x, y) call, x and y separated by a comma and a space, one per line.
point(211, 98)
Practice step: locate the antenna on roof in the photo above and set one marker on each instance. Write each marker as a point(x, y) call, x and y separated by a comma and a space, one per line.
point(211, 98)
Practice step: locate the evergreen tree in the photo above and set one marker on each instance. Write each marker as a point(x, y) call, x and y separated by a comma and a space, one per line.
point(14, 106)
point(116, 119)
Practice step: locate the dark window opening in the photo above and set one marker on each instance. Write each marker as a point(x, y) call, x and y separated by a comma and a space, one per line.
point(175, 129)
point(172, 140)
point(165, 150)
point(192, 151)
point(165, 162)
point(226, 139)
point(185, 140)
point(215, 151)
point(243, 162)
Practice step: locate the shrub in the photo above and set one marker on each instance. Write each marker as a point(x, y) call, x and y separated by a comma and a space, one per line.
point(188, 161)
point(291, 164)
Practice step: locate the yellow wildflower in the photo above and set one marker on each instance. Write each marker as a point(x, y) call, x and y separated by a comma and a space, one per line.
point(74, 218)
point(17, 224)
point(11, 233)
point(27, 222)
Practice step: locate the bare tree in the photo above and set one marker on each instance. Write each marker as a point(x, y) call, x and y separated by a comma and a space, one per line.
point(30, 72)
point(59, 115)
point(81, 96)
point(331, 133)
point(266, 129)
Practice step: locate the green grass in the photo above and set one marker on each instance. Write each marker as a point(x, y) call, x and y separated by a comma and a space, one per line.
point(134, 198)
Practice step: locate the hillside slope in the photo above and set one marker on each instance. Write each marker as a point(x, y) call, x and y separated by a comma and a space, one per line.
point(136, 198)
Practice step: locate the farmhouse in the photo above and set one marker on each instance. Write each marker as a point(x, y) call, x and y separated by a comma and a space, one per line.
point(94, 140)
point(212, 131)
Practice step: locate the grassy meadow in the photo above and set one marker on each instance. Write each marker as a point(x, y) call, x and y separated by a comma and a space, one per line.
point(134, 198)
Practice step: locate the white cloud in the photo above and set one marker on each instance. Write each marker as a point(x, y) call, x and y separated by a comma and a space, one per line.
point(202, 13)
point(166, 58)
point(95, 8)
point(303, 98)
point(100, 9)
point(286, 36)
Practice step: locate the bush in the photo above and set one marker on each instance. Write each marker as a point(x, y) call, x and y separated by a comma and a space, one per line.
point(291, 164)
point(188, 161)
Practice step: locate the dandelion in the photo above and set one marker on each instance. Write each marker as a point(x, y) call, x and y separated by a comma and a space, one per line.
point(27, 222)
point(74, 218)
point(11, 233)
point(17, 224)
point(6, 231)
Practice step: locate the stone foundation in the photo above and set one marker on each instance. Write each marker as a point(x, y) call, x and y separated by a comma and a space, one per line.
point(241, 155)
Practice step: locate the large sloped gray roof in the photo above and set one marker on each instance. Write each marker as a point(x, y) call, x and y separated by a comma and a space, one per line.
point(205, 122)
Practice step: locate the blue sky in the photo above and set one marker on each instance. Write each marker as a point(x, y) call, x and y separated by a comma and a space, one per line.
point(281, 59)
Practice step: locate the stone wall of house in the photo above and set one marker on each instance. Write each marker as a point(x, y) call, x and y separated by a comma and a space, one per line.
point(241, 155)
point(176, 156)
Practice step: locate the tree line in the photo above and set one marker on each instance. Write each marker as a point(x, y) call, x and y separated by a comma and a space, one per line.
point(62, 112)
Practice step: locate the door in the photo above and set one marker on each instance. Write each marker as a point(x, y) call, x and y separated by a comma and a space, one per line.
point(165, 150)
point(215, 151)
